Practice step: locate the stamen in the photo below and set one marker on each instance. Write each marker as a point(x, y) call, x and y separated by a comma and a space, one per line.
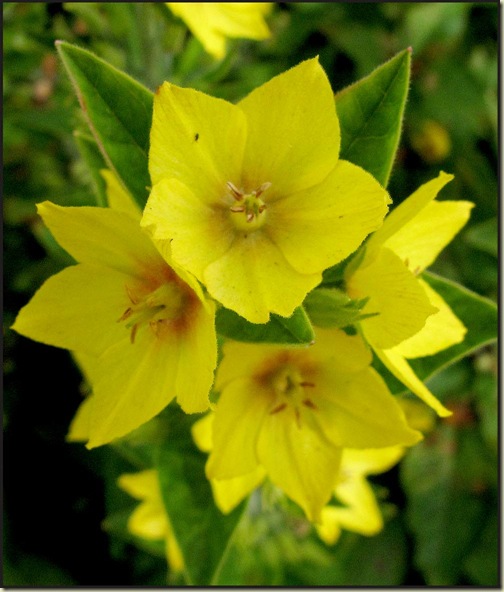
point(306, 384)
point(237, 209)
point(257, 192)
point(126, 314)
point(237, 194)
point(280, 407)
point(133, 333)
point(309, 404)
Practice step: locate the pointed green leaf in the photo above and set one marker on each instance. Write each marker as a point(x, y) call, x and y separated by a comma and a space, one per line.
point(202, 531)
point(119, 113)
point(330, 307)
point(294, 329)
point(370, 113)
point(94, 161)
point(484, 236)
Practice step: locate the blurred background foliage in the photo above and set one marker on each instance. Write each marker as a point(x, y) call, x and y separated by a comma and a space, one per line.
point(64, 516)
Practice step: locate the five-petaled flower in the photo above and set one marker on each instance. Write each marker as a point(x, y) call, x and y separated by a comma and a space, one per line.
point(289, 412)
point(253, 196)
point(147, 323)
point(213, 22)
point(413, 320)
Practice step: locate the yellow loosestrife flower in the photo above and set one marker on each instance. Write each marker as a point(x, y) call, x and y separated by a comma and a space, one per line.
point(253, 196)
point(413, 320)
point(360, 512)
point(212, 22)
point(290, 411)
point(148, 325)
point(149, 519)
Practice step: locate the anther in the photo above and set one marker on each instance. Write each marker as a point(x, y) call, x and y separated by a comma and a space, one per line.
point(309, 404)
point(280, 407)
point(237, 209)
point(237, 194)
point(126, 314)
point(306, 384)
point(261, 189)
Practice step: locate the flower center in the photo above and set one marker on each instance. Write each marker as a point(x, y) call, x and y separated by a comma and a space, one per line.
point(249, 211)
point(290, 390)
point(157, 308)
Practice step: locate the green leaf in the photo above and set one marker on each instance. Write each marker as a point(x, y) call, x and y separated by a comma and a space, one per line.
point(371, 112)
point(119, 113)
point(202, 531)
point(443, 512)
point(330, 307)
point(483, 236)
point(94, 161)
point(294, 329)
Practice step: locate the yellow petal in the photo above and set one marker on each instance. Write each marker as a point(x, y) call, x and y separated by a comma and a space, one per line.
point(196, 139)
point(370, 461)
point(173, 553)
point(201, 432)
point(118, 197)
point(136, 382)
point(358, 411)
point(148, 522)
point(77, 309)
point(293, 132)
point(141, 485)
point(230, 492)
point(442, 329)
point(240, 19)
point(421, 239)
point(199, 234)
point(299, 460)
point(362, 514)
point(418, 416)
point(341, 352)
point(395, 294)
point(238, 418)
point(407, 210)
point(253, 279)
point(197, 351)
point(101, 236)
point(212, 22)
point(321, 226)
point(79, 427)
point(402, 370)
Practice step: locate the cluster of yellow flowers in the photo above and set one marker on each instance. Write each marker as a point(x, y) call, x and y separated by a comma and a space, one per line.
point(249, 205)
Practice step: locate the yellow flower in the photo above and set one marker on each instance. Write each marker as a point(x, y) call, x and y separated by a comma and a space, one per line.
point(148, 324)
point(413, 320)
point(253, 196)
point(290, 411)
point(212, 22)
point(360, 512)
point(149, 520)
